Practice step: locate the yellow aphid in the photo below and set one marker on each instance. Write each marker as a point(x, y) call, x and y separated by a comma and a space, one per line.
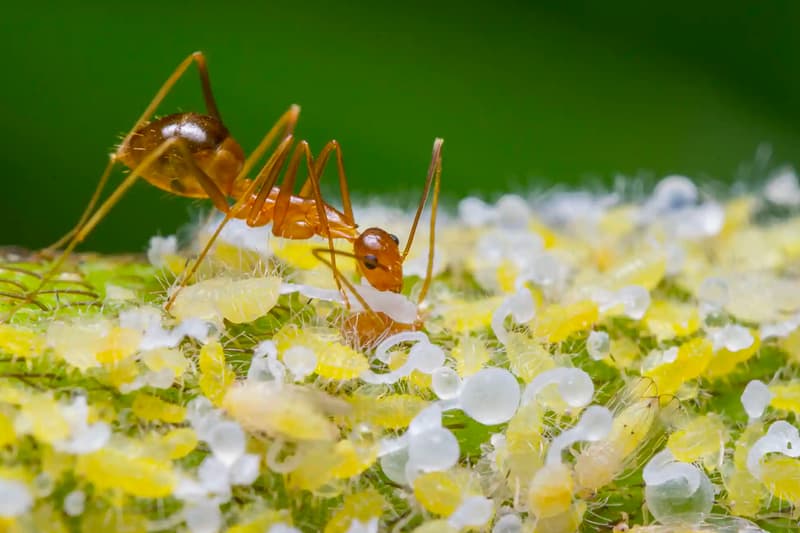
point(550, 492)
point(20, 342)
point(646, 270)
point(43, 517)
point(618, 221)
point(723, 362)
point(80, 342)
point(120, 343)
point(549, 237)
point(667, 320)
point(786, 396)
point(791, 345)
point(334, 360)
point(7, 434)
point(464, 316)
point(102, 519)
point(625, 352)
point(524, 446)
point(470, 354)
point(55, 464)
point(527, 358)
point(352, 459)
point(567, 522)
point(438, 492)
point(42, 417)
point(179, 442)
point(701, 439)
point(315, 469)
point(216, 376)
point(129, 469)
point(289, 411)
point(744, 494)
point(557, 322)
point(436, 526)
point(158, 359)
point(601, 462)
point(153, 408)
point(392, 411)
point(363, 506)
point(238, 301)
point(122, 373)
point(781, 475)
point(506, 276)
point(690, 362)
point(260, 522)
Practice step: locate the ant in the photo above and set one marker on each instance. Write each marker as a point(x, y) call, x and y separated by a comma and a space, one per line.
point(194, 155)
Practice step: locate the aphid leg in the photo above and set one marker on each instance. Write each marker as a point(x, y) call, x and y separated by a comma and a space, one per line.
point(95, 219)
point(264, 181)
point(211, 105)
point(322, 160)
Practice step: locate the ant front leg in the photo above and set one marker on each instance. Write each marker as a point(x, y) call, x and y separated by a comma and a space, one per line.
point(322, 161)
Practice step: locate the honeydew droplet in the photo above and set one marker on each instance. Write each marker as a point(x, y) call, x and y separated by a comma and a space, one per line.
point(713, 293)
point(394, 465)
point(474, 511)
point(490, 396)
point(732, 337)
point(676, 492)
point(433, 450)
point(245, 470)
point(598, 345)
point(15, 498)
point(445, 382)
point(513, 212)
point(635, 299)
point(425, 357)
point(74, 503)
point(427, 419)
point(213, 476)
point(755, 399)
point(673, 193)
point(510, 523)
point(301, 361)
point(227, 442)
point(203, 518)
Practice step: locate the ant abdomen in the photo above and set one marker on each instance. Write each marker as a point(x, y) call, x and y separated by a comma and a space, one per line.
point(201, 138)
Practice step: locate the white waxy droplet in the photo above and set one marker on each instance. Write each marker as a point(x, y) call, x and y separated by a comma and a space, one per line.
point(756, 398)
point(510, 523)
point(301, 361)
point(283, 528)
point(574, 385)
point(713, 293)
point(394, 465)
point(474, 212)
point(74, 503)
point(598, 345)
point(433, 450)
point(474, 511)
point(545, 270)
point(445, 383)
point(425, 357)
point(213, 475)
point(490, 396)
point(732, 337)
point(519, 305)
point(594, 425)
point(781, 437)
point(15, 498)
point(203, 518)
point(43, 485)
point(676, 492)
point(635, 299)
point(673, 193)
point(427, 419)
point(245, 470)
point(227, 442)
point(513, 212)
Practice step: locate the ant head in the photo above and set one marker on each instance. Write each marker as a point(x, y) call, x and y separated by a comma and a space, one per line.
point(379, 260)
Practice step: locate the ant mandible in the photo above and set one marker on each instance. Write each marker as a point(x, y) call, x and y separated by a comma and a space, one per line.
point(194, 155)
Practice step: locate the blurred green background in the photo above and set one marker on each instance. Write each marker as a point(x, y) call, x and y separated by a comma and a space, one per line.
point(527, 95)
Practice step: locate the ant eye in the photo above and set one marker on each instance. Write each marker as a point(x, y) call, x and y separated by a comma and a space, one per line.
point(394, 238)
point(370, 262)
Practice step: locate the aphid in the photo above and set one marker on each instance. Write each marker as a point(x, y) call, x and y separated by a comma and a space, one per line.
point(193, 155)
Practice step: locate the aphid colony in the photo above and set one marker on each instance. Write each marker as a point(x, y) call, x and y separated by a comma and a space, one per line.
point(583, 364)
point(571, 362)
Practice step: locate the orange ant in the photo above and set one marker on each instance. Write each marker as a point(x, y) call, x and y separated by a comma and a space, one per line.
point(194, 155)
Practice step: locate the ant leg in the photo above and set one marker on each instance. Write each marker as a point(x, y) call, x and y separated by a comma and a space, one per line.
point(435, 171)
point(217, 197)
point(322, 160)
point(95, 219)
point(265, 179)
point(211, 105)
point(242, 187)
point(436, 162)
point(340, 278)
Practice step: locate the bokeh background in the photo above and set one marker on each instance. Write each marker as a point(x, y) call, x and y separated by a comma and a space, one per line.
point(528, 95)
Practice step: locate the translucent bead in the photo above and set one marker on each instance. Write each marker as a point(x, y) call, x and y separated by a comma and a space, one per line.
point(732, 337)
point(713, 293)
point(394, 465)
point(474, 511)
point(756, 398)
point(43, 485)
point(435, 449)
point(674, 193)
point(445, 383)
point(545, 270)
point(300, 361)
point(513, 212)
point(74, 503)
point(203, 518)
point(673, 502)
point(227, 442)
point(474, 212)
point(245, 470)
point(598, 345)
point(635, 299)
point(510, 523)
point(213, 475)
point(490, 396)
point(425, 357)
point(15, 498)
point(427, 419)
